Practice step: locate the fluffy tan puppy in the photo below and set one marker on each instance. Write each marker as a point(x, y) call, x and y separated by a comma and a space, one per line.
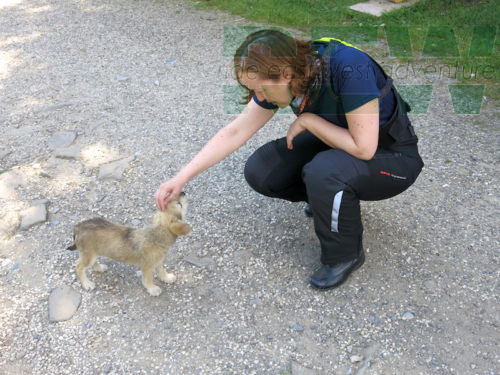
point(144, 247)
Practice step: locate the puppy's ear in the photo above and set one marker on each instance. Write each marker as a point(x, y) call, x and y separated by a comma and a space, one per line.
point(179, 228)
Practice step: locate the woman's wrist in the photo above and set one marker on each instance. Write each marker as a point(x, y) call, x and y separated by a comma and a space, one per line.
point(304, 120)
point(183, 177)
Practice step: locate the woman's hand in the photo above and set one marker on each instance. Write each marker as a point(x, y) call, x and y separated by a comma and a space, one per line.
point(167, 191)
point(297, 127)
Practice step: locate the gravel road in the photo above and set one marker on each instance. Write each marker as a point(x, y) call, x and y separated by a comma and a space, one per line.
point(101, 101)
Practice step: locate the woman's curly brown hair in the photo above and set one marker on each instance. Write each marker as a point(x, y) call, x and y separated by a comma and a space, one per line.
point(271, 53)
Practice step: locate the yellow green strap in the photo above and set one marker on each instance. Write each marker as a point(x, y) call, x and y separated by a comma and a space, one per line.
point(329, 39)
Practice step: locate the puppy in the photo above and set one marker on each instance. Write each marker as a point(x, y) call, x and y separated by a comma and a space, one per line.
point(144, 247)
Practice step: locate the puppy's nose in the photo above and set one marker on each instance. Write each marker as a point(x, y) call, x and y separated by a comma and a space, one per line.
point(182, 194)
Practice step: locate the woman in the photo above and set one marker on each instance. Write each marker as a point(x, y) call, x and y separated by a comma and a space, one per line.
point(351, 141)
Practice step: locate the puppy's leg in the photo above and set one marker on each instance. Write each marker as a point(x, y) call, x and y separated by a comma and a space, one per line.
point(84, 262)
point(164, 276)
point(147, 281)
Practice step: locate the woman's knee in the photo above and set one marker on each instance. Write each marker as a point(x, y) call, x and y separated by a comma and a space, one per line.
point(251, 173)
point(326, 169)
point(257, 169)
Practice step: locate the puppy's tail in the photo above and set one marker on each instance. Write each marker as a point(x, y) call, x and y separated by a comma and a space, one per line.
point(72, 247)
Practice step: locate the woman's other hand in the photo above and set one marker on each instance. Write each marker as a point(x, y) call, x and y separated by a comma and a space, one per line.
point(297, 127)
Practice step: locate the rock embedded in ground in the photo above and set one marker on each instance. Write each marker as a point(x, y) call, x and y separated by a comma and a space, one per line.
point(61, 139)
point(33, 215)
point(72, 152)
point(63, 303)
point(198, 262)
point(115, 169)
point(377, 7)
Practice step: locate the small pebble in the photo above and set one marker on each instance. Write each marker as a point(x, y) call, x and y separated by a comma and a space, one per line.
point(408, 315)
point(297, 328)
point(356, 358)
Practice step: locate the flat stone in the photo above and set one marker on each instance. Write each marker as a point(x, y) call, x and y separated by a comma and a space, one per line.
point(33, 215)
point(72, 152)
point(199, 262)
point(298, 369)
point(61, 139)
point(378, 7)
point(115, 169)
point(63, 303)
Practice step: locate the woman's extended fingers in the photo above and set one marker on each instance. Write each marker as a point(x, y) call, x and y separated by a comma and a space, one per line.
point(162, 196)
point(166, 192)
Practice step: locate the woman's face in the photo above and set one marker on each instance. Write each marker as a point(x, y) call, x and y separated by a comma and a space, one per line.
point(274, 91)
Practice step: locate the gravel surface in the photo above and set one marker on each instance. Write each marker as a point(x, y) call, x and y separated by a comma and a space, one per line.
point(134, 89)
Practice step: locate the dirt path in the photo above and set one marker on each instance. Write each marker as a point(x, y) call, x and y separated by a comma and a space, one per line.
point(123, 77)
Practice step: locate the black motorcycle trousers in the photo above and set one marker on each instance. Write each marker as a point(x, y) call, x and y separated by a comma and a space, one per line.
point(332, 182)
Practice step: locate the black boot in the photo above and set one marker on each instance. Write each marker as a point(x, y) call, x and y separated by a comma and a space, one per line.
point(308, 210)
point(327, 277)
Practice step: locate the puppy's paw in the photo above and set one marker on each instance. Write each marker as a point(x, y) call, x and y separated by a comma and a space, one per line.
point(88, 285)
point(154, 291)
point(100, 267)
point(168, 278)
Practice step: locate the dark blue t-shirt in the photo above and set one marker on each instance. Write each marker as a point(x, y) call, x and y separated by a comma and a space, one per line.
point(354, 79)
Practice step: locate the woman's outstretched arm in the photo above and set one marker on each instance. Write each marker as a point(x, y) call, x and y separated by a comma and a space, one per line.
point(225, 142)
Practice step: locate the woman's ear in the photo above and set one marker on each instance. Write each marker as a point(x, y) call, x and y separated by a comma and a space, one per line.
point(179, 228)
